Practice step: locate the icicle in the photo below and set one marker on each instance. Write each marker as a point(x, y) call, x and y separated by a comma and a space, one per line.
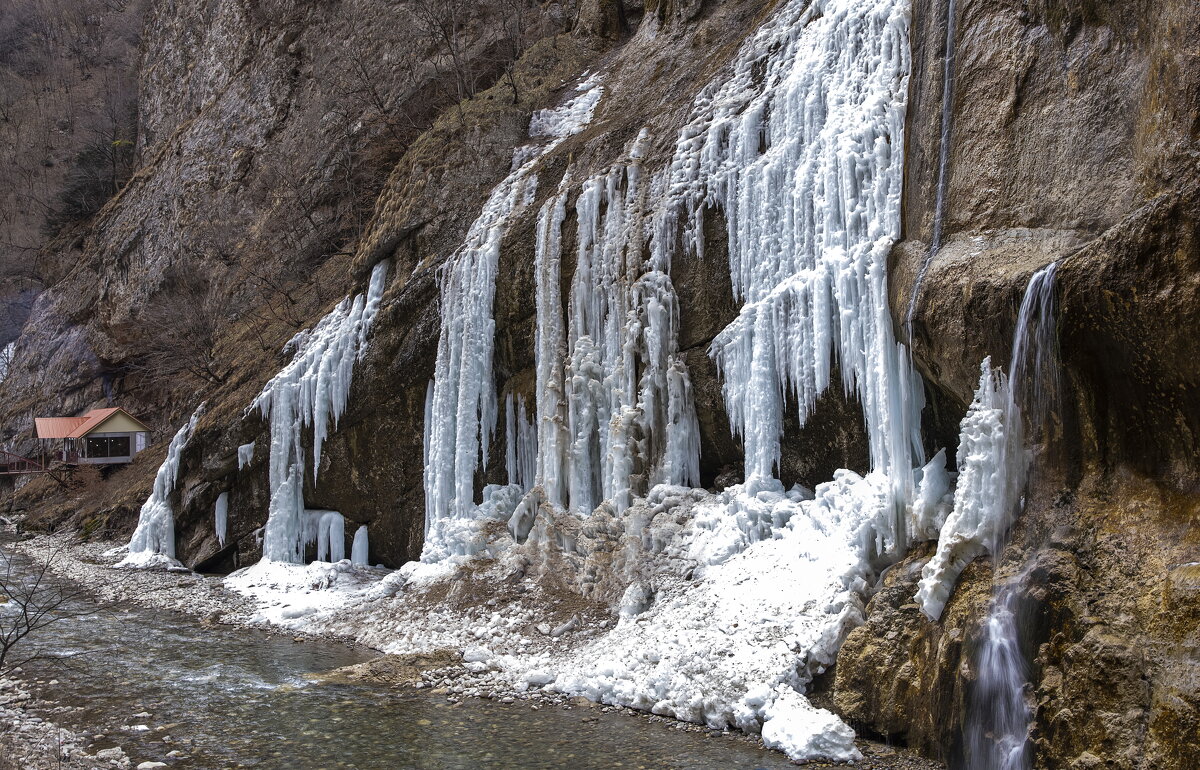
point(461, 408)
point(312, 390)
point(331, 535)
point(991, 473)
point(155, 533)
point(802, 151)
point(245, 455)
point(361, 547)
point(221, 515)
point(520, 442)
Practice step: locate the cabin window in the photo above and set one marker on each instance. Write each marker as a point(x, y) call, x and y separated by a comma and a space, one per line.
point(108, 446)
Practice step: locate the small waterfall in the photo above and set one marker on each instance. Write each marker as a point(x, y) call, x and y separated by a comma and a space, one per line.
point(943, 181)
point(997, 728)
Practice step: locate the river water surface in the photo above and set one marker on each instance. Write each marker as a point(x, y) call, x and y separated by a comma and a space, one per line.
point(223, 697)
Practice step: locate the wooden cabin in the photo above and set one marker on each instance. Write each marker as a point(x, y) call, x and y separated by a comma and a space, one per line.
point(100, 437)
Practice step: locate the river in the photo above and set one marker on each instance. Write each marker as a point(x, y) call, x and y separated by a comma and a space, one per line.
point(155, 683)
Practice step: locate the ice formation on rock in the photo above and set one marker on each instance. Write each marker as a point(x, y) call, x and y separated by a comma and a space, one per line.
point(311, 391)
point(461, 404)
point(221, 517)
point(245, 454)
point(361, 547)
point(991, 471)
point(997, 724)
point(6, 357)
point(520, 442)
point(993, 459)
point(614, 398)
point(153, 542)
point(802, 151)
point(331, 534)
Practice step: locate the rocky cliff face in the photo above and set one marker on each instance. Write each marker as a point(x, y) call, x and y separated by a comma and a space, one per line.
point(289, 147)
point(1067, 144)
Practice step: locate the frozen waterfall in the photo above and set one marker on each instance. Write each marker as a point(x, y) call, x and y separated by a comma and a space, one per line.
point(614, 398)
point(800, 147)
point(802, 151)
point(311, 391)
point(153, 542)
point(461, 403)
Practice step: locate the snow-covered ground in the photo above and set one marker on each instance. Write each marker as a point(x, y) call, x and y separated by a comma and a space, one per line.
point(716, 609)
point(624, 620)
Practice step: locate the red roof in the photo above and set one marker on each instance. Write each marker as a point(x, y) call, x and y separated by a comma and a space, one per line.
point(57, 427)
point(75, 427)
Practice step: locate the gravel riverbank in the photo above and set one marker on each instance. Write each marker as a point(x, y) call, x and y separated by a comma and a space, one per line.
point(443, 673)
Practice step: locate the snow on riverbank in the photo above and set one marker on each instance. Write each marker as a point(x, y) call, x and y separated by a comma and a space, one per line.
point(713, 609)
point(511, 628)
point(91, 566)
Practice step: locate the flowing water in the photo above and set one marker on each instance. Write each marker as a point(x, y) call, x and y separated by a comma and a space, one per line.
point(228, 697)
point(999, 718)
point(943, 179)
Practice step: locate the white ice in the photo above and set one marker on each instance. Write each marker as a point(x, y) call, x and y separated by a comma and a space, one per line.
point(153, 542)
point(312, 390)
point(990, 464)
point(331, 535)
point(461, 403)
point(245, 455)
point(360, 549)
point(221, 517)
point(801, 150)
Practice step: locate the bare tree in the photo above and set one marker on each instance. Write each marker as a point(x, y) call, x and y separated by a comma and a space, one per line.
point(178, 328)
point(443, 23)
point(31, 600)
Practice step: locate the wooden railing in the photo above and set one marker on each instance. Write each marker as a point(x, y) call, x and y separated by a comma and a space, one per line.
point(13, 464)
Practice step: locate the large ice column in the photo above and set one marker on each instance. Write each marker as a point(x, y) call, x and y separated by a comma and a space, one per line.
point(551, 407)
point(155, 533)
point(991, 467)
point(520, 442)
point(361, 546)
point(802, 150)
point(614, 399)
point(461, 404)
point(221, 517)
point(311, 391)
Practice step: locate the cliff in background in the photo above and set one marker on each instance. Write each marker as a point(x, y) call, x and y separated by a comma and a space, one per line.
point(287, 147)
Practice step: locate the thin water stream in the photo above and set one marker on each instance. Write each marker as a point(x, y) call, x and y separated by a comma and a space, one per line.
point(998, 723)
point(155, 683)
